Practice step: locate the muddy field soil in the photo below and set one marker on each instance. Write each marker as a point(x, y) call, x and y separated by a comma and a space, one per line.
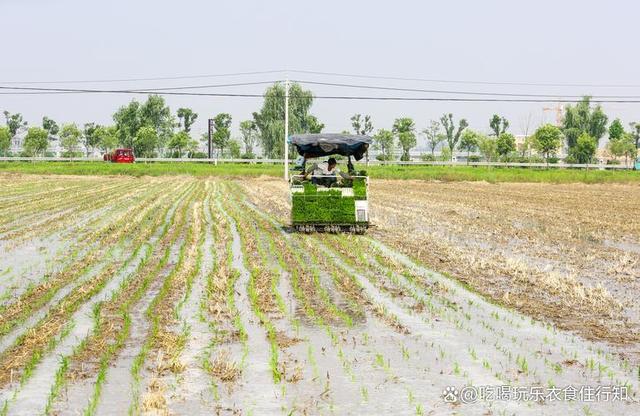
point(176, 295)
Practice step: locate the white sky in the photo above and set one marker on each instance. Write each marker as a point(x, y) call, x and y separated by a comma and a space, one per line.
point(569, 41)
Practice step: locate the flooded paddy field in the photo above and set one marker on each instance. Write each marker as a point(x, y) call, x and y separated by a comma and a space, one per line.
point(182, 295)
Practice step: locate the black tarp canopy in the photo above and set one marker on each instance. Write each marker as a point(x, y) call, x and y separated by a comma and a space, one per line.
point(326, 144)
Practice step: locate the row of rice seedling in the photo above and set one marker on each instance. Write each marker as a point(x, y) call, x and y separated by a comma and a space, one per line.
point(113, 317)
point(84, 248)
point(29, 348)
point(11, 314)
point(168, 339)
point(41, 214)
point(347, 364)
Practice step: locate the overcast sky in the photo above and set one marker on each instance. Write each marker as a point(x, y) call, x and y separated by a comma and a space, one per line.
point(541, 41)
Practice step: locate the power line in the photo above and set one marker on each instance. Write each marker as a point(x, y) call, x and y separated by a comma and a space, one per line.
point(450, 81)
point(35, 90)
point(333, 74)
point(480, 93)
point(96, 81)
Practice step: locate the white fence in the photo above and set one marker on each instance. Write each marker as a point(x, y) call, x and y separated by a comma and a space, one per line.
point(600, 166)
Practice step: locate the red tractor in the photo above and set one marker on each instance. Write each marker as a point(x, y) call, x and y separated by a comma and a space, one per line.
point(120, 156)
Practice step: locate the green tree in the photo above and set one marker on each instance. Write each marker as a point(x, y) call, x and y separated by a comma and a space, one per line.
point(635, 127)
point(362, 125)
point(222, 132)
point(5, 141)
point(584, 149)
point(270, 119)
point(616, 130)
point(89, 138)
point(50, 126)
point(452, 135)
point(623, 146)
point(505, 144)
point(155, 113)
point(404, 128)
point(36, 142)
point(127, 122)
point(498, 124)
point(179, 142)
point(107, 138)
point(186, 118)
point(14, 122)
point(487, 147)
point(580, 119)
point(234, 149)
point(70, 136)
point(469, 141)
point(249, 133)
point(383, 141)
point(313, 125)
point(433, 136)
point(145, 141)
point(548, 139)
point(192, 148)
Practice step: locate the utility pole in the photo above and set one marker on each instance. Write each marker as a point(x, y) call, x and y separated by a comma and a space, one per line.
point(209, 141)
point(286, 129)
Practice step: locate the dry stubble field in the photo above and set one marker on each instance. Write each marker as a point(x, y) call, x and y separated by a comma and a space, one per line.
point(176, 295)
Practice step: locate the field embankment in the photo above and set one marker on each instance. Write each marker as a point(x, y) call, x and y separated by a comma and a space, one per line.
point(437, 173)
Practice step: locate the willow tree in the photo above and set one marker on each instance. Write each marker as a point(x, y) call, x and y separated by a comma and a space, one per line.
point(580, 119)
point(270, 119)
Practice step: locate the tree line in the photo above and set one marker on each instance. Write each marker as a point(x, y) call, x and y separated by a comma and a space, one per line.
point(151, 129)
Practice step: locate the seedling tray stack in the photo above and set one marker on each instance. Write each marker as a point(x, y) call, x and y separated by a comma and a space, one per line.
point(318, 206)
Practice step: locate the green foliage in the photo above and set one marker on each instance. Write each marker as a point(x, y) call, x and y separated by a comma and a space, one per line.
point(270, 119)
point(70, 136)
point(186, 118)
point(499, 125)
point(359, 188)
point(145, 142)
point(433, 136)
point(584, 149)
point(451, 133)
point(152, 113)
point(547, 140)
point(427, 157)
point(505, 144)
point(234, 149)
point(616, 130)
point(580, 119)
point(5, 141)
point(14, 122)
point(50, 126)
point(314, 125)
point(179, 142)
point(36, 142)
point(127, 121)
point(383, 141)
point(89, 137)
point(361, 125)
point(107, 137)
point(222, 131)
point(243, 170)
point(446, 154)
point(469, 141)
point(249, 133)
point(488, 148)
point(325, 207)
point(624, 146)
point(404, 129)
